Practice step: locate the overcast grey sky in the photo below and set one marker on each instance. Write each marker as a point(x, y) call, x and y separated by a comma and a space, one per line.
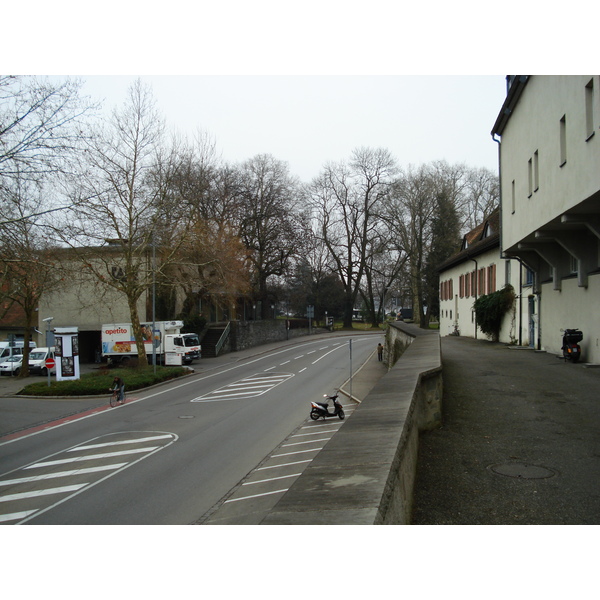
point(288, 78)
point(310, 120)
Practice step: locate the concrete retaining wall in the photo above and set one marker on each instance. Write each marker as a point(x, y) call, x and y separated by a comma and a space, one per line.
point(365, 474)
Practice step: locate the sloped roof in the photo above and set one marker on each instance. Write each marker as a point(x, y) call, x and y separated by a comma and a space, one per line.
point(477, 241)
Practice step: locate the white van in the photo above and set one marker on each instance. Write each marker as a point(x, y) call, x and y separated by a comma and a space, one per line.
point(6, 350)
point(37, 360)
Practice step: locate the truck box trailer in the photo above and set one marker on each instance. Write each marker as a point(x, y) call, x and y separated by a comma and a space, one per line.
point(118, 341)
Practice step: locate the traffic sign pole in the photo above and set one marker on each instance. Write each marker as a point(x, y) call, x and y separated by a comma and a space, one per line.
point(50, 364)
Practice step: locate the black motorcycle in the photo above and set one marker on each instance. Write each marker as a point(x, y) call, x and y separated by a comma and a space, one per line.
point(571, 349)
point(321, 409)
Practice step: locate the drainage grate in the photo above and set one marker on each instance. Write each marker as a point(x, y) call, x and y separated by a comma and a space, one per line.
point(522, 471)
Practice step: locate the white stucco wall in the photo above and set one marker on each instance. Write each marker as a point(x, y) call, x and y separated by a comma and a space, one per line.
point(572, 307)
point(535, 126)
point(460, 312)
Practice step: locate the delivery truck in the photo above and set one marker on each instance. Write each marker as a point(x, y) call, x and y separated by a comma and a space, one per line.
point(118, 342)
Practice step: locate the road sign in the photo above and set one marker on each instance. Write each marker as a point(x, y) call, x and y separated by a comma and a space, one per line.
point(50, 363)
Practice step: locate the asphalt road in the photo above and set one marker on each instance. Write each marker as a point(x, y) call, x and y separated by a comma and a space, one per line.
point(170, 454)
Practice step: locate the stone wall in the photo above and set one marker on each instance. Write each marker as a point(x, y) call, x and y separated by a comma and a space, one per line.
point(248, 334)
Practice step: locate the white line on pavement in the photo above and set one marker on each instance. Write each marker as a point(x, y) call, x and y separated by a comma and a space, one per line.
point(298, 462)
point(307, 442)
point(272, 479)
point(62, 474)
point(131, 441)
point(63, 461)
point(256, 496)
point(34, 493)
point(315, 433)
point(298, 452)
point(15, 516)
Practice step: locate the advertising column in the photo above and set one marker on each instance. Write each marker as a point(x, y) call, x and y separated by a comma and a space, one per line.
point(67, 353)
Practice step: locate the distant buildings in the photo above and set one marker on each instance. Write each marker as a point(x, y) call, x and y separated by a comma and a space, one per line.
point(548, 244)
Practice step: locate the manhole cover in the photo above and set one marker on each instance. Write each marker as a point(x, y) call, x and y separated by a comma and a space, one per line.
point(186, 417)
point(522, 471)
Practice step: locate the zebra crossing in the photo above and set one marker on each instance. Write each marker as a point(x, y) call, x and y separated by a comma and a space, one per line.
point(35, 488)
point(249, 387)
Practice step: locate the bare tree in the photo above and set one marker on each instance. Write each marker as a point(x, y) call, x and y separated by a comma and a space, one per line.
point(270, 224)
point(28, 266)
point(124, 204)
point(41, 125)
point(346, 200)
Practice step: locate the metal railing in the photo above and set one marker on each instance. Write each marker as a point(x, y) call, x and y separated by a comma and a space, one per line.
point(223, 338)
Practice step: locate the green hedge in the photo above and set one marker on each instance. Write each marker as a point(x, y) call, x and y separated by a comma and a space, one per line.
point(96, 384)
point(491, 308)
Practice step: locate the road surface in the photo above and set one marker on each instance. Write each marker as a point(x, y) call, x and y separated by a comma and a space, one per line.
point(172, 453)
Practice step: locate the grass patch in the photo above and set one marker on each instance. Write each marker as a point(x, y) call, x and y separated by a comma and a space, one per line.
point(97, 384)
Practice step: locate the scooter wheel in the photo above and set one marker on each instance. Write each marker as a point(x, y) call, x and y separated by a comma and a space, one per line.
point(314, 415)
point(341, 415)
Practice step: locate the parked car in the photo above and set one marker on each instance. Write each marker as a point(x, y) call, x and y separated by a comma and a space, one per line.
point(12, 365)
point(37, 360)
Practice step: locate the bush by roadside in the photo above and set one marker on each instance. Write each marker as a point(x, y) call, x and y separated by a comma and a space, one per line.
point(97, 384)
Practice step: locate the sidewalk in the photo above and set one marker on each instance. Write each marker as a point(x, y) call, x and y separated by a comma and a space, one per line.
point(520, 441)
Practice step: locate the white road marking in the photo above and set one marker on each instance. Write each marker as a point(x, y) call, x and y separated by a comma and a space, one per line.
point(132, 441)
point(307, 442)
point(70, 491)
point(298, 462)
point(316, 433)
point(250, 387)
point(272, 479)
point(15, 516)
point(62, 474)
point(298, 452)
point(256, 496)
point(63, 461)
point(47, 492)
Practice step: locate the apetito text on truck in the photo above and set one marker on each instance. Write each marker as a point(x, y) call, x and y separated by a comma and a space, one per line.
point(118, 342)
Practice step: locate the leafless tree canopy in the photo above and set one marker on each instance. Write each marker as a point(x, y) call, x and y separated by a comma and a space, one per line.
point(133, 207)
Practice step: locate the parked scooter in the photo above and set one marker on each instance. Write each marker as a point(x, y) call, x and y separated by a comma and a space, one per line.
point(571, 349)
point(321, 409)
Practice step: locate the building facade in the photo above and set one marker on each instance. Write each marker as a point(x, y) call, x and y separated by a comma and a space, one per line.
point(479, 269)
point(549, 156)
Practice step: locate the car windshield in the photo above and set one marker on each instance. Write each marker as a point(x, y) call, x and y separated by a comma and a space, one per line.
point(37, 355)
point(14, 359)
point(191, 341)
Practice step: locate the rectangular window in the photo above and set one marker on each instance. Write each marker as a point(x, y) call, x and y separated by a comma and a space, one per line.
point(536, 172)
point(512, 198)
point(589, 109)
point(528, 276)
point(491, 278)
point(573, 264)
point(507, 272)
point(530, 177)
point(563, 140)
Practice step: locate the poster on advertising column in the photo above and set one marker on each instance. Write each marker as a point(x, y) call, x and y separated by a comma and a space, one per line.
point(67, 353)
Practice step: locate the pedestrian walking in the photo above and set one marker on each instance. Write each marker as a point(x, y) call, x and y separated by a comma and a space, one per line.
point(379, 352)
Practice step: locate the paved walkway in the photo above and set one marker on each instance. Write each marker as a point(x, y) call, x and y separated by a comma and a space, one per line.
point(520, 441)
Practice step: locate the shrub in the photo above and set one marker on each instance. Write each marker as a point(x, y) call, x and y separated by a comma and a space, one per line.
point(491, 308)
point(97, 384)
